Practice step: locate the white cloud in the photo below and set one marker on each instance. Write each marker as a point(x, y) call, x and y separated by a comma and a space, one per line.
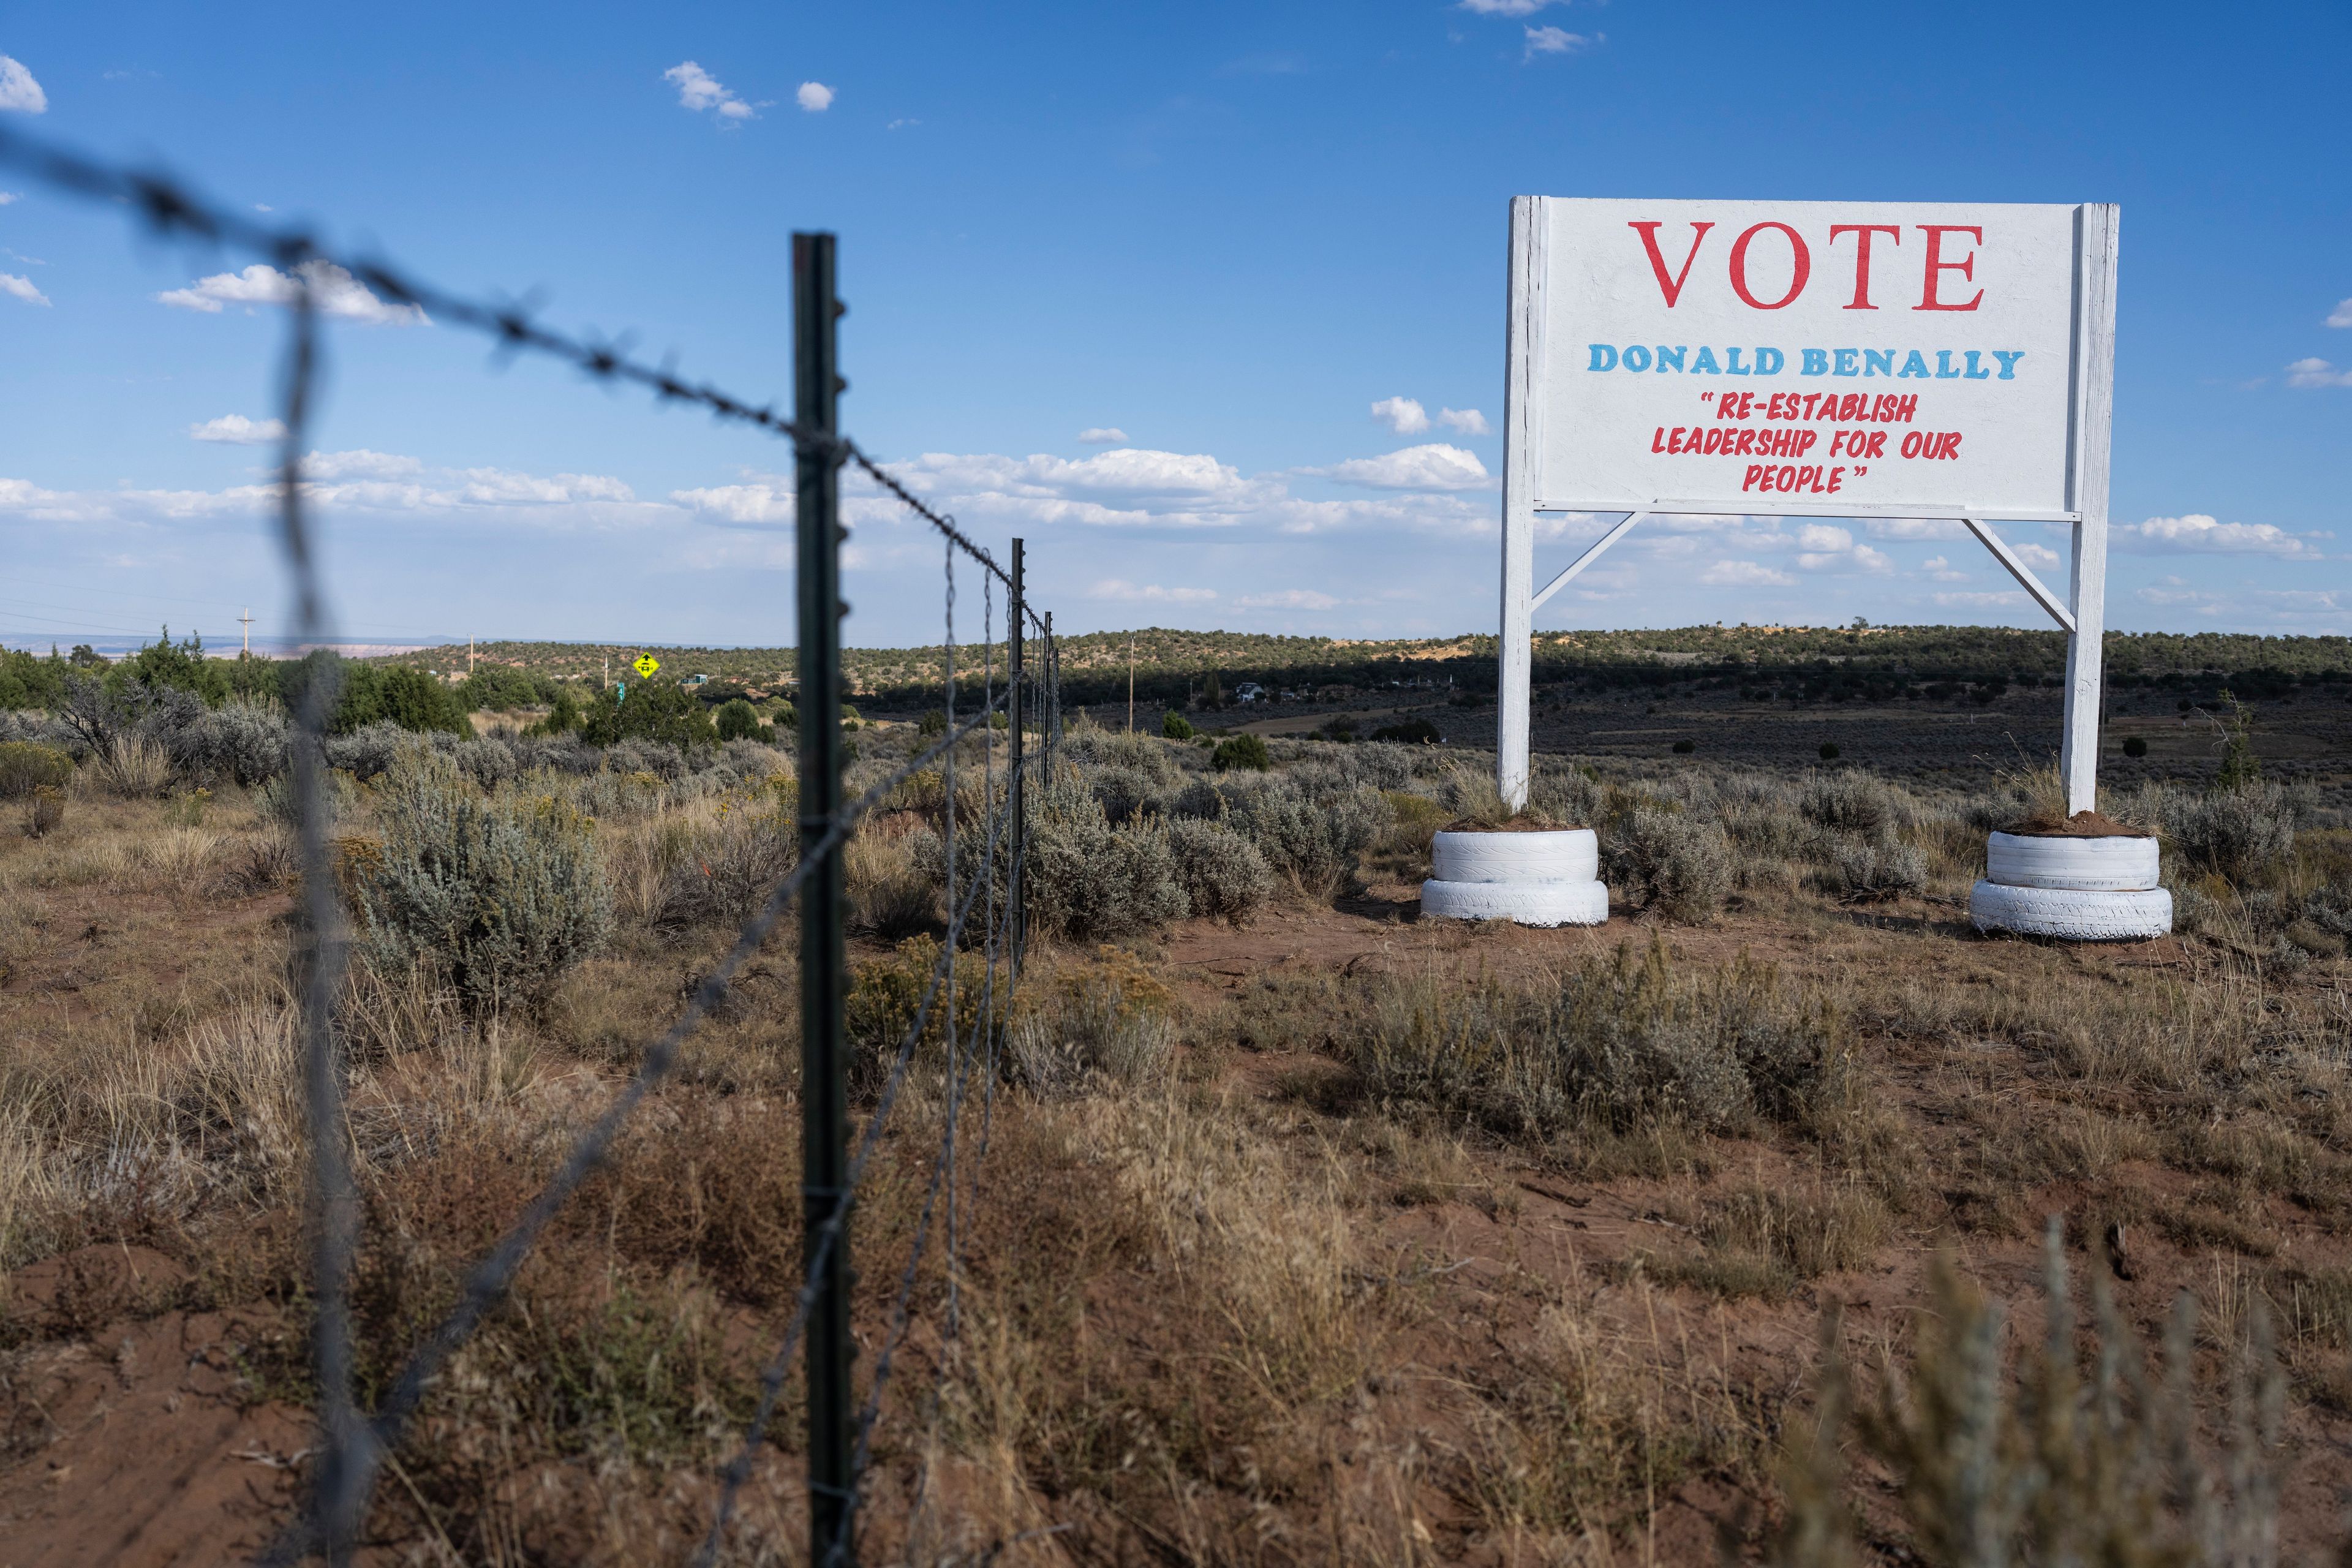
point(2004, 599)
point(1103, 436)
point(238, 431)
point(1940, 569)
point(1469, 421)
point(2038, 555)
point(2341, 315)
point(21, 287)
point(1508, 7)
point(18, 90)
point(814, 97)
point(504, 487)
point(1819, 536)
point(1120, 588)
point(333, 292)
point(697, 89)
point(1401, 415)
point(1746, 574)
point(2203, 534)
point(1556, 41)
point(1433, 466)
point(357, 464)
point(7, 196)
point(1914, 528)
point(1287, 599)
point(2316, 372)
point(895, 125)
point(753, 503)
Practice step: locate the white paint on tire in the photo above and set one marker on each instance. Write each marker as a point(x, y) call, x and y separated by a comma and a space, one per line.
point(2074, 914)
point(1567, 855)
point(2083, 865)
point(1582, 903)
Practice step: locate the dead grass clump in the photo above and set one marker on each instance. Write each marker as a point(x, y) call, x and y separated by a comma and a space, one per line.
point(890, 896)
point(1110, 1020)
point(1765, 1241)
point(135, 767)
point(887, 994)
point(1624, 1045)
point(45, 810)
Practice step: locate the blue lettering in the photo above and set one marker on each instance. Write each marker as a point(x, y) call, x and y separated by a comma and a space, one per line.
point(1604, 357)
point(2009, 358)
point(1816, 362)
point(1704, 365)
point(1734, 367)
point(1878, 362)
point(1913, 365)
point(1845, 363)
point(1637, 357)
point(1944, 371)
point(1769, 361)
point(1975, 370)
point(1671, 356)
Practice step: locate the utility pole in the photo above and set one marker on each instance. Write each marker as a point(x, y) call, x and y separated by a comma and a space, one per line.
point(470, 655)
point(245, 620)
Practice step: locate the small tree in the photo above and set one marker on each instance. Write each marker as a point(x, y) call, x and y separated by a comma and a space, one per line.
point(1175, 726)
point(737, 720)
point(647, 710)
point(1213, 694)
point(1242, 752)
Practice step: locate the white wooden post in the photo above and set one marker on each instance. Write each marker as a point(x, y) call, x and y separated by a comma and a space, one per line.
point(1522, 424)
point(2093, 419)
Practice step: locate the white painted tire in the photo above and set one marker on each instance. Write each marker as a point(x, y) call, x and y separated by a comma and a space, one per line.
point(1528, 903)
point(1569, 855)
point(2082, 864)
point(2075, 914)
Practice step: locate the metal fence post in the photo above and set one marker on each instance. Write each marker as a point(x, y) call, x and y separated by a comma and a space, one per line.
point(824, 1114)
point(1020, 818)
point(1053, 698)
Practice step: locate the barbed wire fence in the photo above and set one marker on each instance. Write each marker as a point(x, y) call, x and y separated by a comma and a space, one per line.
point(352, 1446)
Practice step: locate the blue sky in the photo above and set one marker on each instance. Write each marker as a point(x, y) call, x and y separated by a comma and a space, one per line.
point(1217, 236)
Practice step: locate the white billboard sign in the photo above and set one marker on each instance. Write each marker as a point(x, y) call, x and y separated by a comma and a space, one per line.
point(1820, 359)
point(1809, 357)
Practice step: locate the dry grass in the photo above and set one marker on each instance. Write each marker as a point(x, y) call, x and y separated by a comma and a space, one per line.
point(1370, 1264)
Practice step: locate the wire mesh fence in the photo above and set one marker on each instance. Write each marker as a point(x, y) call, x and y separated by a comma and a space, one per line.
point(1018, 688)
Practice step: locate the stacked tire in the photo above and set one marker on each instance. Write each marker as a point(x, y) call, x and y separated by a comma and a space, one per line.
point(2075, 889)
point(1548, 879)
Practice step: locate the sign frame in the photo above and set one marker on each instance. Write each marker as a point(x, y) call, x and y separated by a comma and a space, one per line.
point(2081, 611)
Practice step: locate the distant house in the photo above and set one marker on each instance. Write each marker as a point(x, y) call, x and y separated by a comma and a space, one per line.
point(695, 680)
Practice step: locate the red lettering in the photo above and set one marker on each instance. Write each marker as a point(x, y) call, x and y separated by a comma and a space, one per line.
point(1746, 444)
point(1848, 406)
point(1912, 441)
point(1904, 408)
point(1675, 441)
point(1711, 442)
point(1728, 408)
point(1805, 439)
point(1748, 480)
point(1937, 264)
point(1862, 233)
point(1804, 265)
point(1658, 439)
point(1673, 289)
point(1786, 480)
point(1877, 445)
point(1952, 444)
point(1835, 474)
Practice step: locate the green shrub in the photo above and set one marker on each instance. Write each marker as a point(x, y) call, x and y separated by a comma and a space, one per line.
point(494, 896)
point(1222, 873)
point(2134, 746)
point(1868, 873)
point(886, 995)
point(646, 710)
point(736, 720)
point(1849, 802)
point(1175, 726)
point(1242, 752)
point(1410, 731)
point(1674, 864)
point(2236, 833)
point(1685, 748)
point(1088, 879)
point(1829, 751)
point(28, 765)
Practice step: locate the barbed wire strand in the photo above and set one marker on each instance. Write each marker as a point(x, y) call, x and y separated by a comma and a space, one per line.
point(169, 207)
point(352, 1450)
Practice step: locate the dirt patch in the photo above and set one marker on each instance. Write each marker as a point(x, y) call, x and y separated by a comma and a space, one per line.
point(2082, 824)
point(1517, 825)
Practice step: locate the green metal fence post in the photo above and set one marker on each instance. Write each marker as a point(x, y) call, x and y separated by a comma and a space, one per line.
point(1020, 820)
point(824, 1114)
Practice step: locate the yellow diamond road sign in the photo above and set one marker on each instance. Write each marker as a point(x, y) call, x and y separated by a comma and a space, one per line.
point(646, 665)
